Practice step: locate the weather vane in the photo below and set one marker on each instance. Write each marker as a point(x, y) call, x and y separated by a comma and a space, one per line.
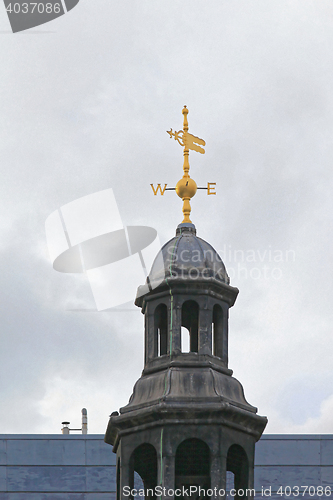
point(186, 187)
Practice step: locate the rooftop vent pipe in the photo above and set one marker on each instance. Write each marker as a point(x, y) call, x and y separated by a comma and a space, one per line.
point(66, 430)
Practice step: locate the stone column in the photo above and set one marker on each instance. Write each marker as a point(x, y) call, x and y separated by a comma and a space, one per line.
point(149, 333)
point(218, 476)
point(205, 327)
point(225, 334)
point(175, 318)
point(126, 477)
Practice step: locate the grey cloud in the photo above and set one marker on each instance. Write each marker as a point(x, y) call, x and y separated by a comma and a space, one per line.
point(86, 108)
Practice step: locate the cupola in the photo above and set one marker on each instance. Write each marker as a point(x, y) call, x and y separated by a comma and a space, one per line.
point(187, 422)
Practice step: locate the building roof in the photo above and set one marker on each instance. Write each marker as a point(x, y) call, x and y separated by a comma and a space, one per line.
point(186, 256)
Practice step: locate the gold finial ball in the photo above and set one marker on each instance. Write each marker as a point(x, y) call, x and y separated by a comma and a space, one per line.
point(186, 187)
point(185, 110)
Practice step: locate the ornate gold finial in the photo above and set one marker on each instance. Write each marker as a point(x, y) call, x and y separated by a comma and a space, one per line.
point(187, 187)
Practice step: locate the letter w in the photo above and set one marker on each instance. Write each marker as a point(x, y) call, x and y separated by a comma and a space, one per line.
point(158, 188)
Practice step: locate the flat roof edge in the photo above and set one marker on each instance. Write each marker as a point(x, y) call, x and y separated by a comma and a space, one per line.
point(52, 436)
point(264, 437)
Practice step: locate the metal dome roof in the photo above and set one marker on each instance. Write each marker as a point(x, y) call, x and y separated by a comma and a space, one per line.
point(187, 257)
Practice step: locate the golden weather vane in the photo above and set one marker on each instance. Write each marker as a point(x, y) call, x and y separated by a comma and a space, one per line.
point(186, 187)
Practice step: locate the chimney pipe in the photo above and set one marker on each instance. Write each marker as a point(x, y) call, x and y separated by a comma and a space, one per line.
point(84, 421)
point(84, 429)
point(65, 428)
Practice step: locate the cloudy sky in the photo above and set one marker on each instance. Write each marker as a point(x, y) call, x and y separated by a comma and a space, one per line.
point(85, 104)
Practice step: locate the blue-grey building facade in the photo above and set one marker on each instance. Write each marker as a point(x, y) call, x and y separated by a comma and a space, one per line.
point(83, 467)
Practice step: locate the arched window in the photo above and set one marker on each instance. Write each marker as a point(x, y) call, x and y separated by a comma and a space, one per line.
point(192, 465)
point(238, 464)
point(161, 329)
point(217, 331)
point(145, 464)
point(190, 320)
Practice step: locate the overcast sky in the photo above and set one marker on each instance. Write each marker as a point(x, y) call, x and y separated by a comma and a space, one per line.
point(85, 104)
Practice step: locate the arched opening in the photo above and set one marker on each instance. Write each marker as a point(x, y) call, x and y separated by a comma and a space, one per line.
point(161, 329)
point(190, 320)
point(192, 465)
point(145, 464)
point(217, 331)
point(238, 465)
